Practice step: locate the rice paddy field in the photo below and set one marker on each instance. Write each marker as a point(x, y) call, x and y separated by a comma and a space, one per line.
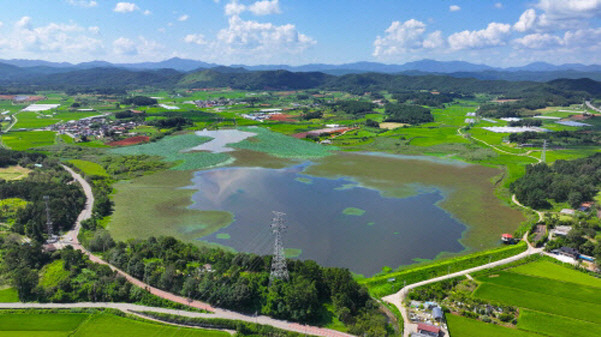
point(554, 300)
point(45, 324)
point(24, 140)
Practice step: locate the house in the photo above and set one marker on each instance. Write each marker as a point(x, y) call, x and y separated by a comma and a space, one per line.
point(428, 329)
point(568, 211)
point(567, 252)
point(585, 206)
point(561, 230)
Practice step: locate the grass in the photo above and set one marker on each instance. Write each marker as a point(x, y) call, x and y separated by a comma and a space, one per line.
point(14, 172)
point(53, 273)
point(379, 285)
point(25, 140)
point(89, 168)
point(464, 327)
point(46, 324)
point(9, 295)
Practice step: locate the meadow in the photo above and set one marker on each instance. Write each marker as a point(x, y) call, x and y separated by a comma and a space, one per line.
point(465, 327)
point(97, 324)
point(89, 168)
point(13, 172)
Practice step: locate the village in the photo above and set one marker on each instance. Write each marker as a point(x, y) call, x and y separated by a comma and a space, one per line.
point(96, 127)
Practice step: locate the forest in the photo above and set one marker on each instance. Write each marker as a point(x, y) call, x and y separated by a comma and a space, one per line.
point(47, 178)
point(574, 182)
point(406, 113)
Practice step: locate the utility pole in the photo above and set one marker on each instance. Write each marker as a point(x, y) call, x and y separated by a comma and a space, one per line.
point(543, 156)
point(278, 264)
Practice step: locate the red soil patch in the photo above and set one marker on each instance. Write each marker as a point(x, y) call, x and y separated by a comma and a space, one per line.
point(282, 118)
point(130, 141)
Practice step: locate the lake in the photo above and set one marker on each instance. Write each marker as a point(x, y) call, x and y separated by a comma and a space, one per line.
point(333, 221)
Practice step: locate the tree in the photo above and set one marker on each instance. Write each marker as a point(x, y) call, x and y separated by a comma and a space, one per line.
point(25, 280)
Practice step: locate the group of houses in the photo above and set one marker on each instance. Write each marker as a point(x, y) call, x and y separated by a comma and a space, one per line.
point(429, 318)
point(98, 127)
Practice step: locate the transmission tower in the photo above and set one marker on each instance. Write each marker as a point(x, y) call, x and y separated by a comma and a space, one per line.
point(543, 155)
point(48, 220)
point(278, 264)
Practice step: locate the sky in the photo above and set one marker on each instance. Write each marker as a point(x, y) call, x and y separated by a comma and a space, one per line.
point(500, 33)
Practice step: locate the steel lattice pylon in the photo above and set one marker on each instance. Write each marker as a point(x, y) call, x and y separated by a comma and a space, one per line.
point(48, 220)
point(278, 264)
point(543, 156)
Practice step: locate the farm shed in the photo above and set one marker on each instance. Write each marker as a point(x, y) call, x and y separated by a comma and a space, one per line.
point(437, 314)
point(428, 329)
point(417, 334)
point(568, 211)
point(567, 252)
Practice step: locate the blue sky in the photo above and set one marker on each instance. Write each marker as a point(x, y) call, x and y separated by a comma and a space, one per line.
point(499, 33)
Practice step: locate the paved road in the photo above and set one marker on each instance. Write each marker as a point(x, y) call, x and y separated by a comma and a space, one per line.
point(591, 106)
point(398, 298)
point(541, 215)
point(71, 239)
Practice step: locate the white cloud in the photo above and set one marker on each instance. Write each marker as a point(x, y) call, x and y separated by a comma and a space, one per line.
point(125, 7)
point(234, 8)
point(83, 3)
point(56, 38)
point(498, 5)
point(198, 39)
point(1, 24)
point(124, 46)
point(495, 34)
point(140, 47)
point(183, 17)
point(570, 9)
point(526, 21)
point(538, 41)
point(265, 7)
point(403, 37)
point(94, 29)
point(454, 8)
point(147, 12)
point(262, 40)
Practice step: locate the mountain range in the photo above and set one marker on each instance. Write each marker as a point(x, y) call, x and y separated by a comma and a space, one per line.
point(427, 66)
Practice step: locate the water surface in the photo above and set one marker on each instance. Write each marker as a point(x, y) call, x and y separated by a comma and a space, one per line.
point(334, 221)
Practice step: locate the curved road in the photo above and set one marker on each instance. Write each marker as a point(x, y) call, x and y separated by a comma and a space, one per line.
point(527, 154)
point(591, 106)
point(398, 298)
point(70, 238)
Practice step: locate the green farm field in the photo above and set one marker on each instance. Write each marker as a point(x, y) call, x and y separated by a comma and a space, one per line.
point(465, 327)
point(45, 324)
point(554, 300)
point(24, 140)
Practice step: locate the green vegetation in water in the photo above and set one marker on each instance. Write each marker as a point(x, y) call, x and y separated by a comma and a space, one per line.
point(304, 180)
point(353, 211)
point(160, 203)
point(468, 191)
point(223, 236)
point(172, 149)
point(292, 252)
point(280, 145)
point(371, 223)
